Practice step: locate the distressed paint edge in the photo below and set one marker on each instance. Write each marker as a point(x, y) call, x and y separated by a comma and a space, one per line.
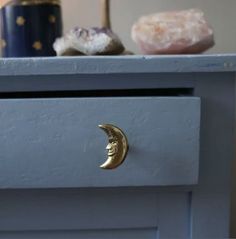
point(117, 64)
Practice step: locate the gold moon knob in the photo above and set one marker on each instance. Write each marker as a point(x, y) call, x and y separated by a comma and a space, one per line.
point(117, 147)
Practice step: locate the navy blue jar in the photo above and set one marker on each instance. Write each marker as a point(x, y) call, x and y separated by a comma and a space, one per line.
point(30, 27)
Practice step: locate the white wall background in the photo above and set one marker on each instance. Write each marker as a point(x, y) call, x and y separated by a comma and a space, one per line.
point(220, 13)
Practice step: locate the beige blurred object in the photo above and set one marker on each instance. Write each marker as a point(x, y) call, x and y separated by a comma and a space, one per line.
point(4, 2)
point(105, 13)
point(175, 32)
point(91, 41)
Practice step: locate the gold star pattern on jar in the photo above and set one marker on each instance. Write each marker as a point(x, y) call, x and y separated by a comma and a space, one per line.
point(20, 21)
point(37, 46)
point(52, 19)
point(2, 43)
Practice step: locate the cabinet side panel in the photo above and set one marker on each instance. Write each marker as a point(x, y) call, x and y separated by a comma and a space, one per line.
point(211, 198)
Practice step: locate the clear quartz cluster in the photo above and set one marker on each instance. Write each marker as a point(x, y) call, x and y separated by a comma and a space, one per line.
point(93, 41)
point(176, 32)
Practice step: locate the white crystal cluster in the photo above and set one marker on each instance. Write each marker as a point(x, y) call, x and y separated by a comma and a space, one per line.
point(93, 41)
point(176, 32)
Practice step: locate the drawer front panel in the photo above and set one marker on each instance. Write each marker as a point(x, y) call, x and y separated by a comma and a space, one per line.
point(56, 143)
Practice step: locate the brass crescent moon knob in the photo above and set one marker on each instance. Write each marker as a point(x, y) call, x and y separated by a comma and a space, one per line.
point(117, 147)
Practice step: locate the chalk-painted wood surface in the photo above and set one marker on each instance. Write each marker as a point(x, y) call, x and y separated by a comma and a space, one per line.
point(149, 233)
point(117, 64)
point(99, 213)
point(211, 199)
point(199, 211)
point(57, 142)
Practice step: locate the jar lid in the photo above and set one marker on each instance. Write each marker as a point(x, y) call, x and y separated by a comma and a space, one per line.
point(4, 3)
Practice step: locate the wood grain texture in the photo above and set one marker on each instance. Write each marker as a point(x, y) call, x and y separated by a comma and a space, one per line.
point(57, 142)
point(117, 64)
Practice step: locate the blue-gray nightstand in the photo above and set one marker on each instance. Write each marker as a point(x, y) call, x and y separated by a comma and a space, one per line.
point(178, 115)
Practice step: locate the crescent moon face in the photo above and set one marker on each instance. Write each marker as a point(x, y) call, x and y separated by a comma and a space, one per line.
point(117, 147)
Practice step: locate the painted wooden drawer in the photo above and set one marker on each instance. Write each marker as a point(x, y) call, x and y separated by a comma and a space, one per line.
point(56, 143)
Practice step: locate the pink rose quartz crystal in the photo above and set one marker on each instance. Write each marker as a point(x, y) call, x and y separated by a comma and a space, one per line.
point(177, 32)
